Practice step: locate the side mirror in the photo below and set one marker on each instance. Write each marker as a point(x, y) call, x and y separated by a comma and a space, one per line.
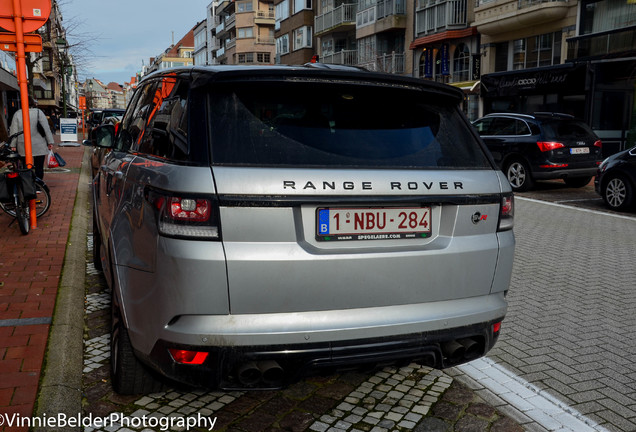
point(104, 136)
point(90, 142)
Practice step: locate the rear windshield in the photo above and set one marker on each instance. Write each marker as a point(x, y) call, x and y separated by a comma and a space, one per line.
point(317, 124)
point(567, 130)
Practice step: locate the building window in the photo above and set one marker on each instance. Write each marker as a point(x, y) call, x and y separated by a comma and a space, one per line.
point(245, 32)
point(302, 37)
point(244, 7)
point(282, 10)
point(263, 57)
point(535, 51)
point(301, 5)
point(246, 58)
point(461, 63)
point(282, 44)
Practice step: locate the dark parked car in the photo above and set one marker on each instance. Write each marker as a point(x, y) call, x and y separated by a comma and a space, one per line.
point(616, 180)
point(99, 116)
point(541, 146)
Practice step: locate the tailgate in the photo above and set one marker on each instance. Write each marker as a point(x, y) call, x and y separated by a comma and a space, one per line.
point(278, 261)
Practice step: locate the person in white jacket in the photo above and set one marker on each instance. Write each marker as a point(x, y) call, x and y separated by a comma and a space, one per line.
point(40, 143)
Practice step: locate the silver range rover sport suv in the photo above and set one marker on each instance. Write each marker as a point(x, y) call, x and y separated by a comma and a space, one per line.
point(259, 224)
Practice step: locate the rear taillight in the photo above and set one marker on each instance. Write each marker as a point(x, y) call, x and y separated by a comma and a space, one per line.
point(188, 357)
point(185, 216)
point(12, 175)
point(545, 146)
point(598, 143)
point(506, 213)
point(496, 328)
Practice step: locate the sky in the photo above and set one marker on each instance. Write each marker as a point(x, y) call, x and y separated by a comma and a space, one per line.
point(120, 34)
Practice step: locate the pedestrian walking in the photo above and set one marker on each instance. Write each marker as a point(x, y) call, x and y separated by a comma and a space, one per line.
point(41, 136)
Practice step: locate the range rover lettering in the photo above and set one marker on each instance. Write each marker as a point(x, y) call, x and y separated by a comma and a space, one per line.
point(259, 224)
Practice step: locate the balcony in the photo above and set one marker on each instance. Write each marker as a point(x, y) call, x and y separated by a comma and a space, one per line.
point(265, 40)
point(220, 28)
point(344, 57)
point(264, 18)
point(495, 17)
point(384, 15)
point(441, 16)
point(390, 63)
point(609, 43)
point(343, 15)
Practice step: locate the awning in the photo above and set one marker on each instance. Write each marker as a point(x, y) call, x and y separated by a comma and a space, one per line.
point(467, 86)
point(447, 35)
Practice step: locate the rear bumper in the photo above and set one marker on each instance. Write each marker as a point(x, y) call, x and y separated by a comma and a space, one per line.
point(244, 356)
point(274, 366)
point(546, 174)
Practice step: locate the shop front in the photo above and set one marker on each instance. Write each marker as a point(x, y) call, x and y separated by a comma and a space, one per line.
point(599, 92)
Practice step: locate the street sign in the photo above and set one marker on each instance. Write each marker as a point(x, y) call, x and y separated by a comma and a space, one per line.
point(32, 42)
point(34, 15)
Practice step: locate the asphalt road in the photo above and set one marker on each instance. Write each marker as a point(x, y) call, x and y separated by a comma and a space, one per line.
point(565, 360)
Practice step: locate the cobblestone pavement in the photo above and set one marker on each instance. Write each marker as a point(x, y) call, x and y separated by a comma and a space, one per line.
point(394, 399)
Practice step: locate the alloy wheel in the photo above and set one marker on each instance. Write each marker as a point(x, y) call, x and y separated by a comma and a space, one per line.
point(517, 174)
point(616, 192)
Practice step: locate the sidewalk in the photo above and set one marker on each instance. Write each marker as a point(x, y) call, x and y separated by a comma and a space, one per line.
point(30, 273)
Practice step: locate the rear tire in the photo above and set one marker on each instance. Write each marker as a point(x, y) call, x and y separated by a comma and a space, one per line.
point(518, 174)
point(577, 182)
point(23, 212)
point(618, 193)
point(43, 198)
point(42, 201)
point(129, 376)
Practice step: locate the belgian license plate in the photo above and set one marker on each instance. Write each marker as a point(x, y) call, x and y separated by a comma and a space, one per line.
point(381, 223)
point(579, 150)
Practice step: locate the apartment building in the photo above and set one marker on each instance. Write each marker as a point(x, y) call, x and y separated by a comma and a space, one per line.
point(572, 57)
point(200, 53)
point(335, 30)
point(293, 31)
point(245, 32)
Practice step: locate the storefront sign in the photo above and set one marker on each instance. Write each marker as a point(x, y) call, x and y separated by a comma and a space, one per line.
point(428, 63)
point(445, 62)
point(550, 79)
point(476, 67)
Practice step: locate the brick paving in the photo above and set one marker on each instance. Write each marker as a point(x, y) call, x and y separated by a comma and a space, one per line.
point(30, 268)
point(571, 320)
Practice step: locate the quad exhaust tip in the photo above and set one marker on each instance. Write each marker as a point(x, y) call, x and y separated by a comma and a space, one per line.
point(267, 372)
point(462, 350)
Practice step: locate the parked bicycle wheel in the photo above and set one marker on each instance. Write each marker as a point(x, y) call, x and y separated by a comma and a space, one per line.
point(42, 202)
point(22, 210)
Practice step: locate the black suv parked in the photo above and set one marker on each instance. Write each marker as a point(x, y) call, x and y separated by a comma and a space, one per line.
point(541, 146)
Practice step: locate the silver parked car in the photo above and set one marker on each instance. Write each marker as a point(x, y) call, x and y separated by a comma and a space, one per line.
point(257, 224)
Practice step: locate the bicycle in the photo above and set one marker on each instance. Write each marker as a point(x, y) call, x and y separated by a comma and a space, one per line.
point(22, 185)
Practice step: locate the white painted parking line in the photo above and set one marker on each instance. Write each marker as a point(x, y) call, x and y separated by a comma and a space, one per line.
point(596, 212)
point(543, 408)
